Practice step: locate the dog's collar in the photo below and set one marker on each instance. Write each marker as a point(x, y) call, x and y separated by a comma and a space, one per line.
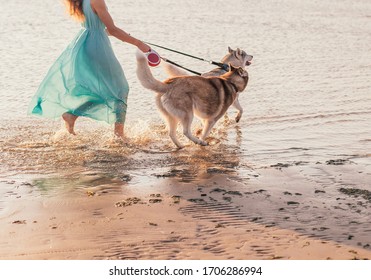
point(224, 67)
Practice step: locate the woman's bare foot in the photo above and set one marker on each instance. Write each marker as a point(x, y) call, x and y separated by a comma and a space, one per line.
point(69, 120)
point(119, 130)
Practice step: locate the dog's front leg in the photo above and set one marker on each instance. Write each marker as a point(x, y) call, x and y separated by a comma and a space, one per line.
point(187, 132)
point(237, 105)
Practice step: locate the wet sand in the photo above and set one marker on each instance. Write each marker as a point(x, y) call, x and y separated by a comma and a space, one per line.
point(283, 212)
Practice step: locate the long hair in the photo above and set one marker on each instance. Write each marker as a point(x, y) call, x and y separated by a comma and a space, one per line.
point(74, 8)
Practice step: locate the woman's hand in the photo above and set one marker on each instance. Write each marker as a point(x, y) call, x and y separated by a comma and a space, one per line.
point(143, 47)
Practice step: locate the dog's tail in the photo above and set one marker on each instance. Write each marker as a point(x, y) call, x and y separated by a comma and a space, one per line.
point(145, 75)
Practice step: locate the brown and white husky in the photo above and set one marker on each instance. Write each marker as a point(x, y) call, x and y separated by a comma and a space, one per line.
point(180, 98)
point(238, 58)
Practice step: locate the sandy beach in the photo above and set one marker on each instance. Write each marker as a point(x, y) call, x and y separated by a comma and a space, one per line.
point(289, 212)
point(291, 180)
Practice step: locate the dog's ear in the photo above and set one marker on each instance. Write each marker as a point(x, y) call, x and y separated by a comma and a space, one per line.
point(238, 51)
point(230, 50)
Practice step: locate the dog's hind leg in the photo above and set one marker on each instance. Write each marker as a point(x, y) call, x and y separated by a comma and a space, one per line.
point(208, 125)
point(186, 123)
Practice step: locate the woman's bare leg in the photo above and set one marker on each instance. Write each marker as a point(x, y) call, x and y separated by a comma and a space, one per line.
point(69, 120)
point(119, 130)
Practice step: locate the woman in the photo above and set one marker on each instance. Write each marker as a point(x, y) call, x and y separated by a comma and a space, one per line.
point(87, 79)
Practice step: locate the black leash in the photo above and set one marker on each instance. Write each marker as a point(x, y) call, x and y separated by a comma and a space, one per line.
point(221, 65)
point(180, 66)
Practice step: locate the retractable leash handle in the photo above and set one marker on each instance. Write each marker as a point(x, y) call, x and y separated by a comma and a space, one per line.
point(153, 58)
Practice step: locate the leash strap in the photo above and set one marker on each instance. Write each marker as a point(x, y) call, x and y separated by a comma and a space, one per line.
point(221, 65)
point(182, 53)
point(180, 66)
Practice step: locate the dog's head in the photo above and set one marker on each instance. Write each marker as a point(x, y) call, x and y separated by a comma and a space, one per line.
point(238, 58)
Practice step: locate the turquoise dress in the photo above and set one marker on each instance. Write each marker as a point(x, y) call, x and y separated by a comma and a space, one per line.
point(86, 80)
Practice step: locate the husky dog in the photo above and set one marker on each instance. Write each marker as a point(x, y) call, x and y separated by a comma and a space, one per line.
point(180, 98)
point(238, 58)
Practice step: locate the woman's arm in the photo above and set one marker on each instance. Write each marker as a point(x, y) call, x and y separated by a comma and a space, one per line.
point(100, 8)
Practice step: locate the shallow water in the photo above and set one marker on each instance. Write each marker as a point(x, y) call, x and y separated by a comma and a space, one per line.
point(308, 100)
point(308, 96)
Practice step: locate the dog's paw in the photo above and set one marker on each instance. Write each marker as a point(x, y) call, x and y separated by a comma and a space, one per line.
point(203, 143)
point(238, 117)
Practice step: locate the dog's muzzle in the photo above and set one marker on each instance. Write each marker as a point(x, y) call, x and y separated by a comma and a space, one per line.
point(249, 59)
